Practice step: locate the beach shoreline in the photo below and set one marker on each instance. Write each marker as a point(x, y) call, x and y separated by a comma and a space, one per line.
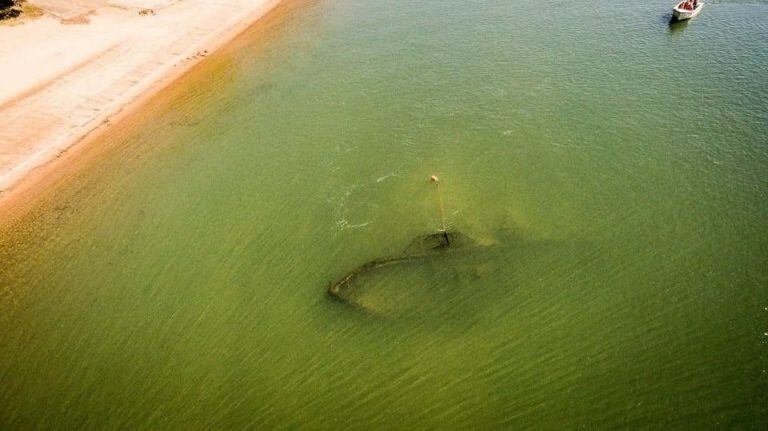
point(32, 145)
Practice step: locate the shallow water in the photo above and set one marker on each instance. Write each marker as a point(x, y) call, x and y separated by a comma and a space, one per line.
point(178, 279)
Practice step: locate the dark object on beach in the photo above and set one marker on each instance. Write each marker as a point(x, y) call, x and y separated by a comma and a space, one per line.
point(9, 9)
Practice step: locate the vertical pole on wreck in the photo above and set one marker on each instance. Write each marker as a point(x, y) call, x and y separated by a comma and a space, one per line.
point(443, 227)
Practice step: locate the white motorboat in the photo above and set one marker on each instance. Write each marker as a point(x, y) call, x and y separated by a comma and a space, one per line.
point(686, 10)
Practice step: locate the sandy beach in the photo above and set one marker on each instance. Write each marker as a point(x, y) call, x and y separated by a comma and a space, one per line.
point(85, 62)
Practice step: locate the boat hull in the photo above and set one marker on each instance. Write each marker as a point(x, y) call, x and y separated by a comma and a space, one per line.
point(680, 14)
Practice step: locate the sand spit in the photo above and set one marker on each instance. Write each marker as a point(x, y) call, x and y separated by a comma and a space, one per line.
point(65, 75)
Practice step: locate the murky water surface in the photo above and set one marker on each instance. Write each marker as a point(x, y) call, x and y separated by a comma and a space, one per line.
point(610, 168)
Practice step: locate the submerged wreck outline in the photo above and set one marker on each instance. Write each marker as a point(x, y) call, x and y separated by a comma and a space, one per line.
point(423, 247)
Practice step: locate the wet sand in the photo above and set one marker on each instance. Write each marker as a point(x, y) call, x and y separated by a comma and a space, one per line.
point(74, 75)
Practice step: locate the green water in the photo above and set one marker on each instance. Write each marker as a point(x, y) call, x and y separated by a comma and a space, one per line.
point(614, 168)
